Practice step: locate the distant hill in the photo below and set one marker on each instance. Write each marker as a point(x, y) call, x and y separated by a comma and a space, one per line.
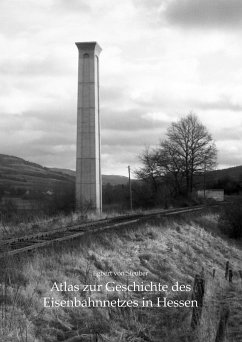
point(23, 182)
point(114, 180)
point(18, 173)
point(30, 186)
point(111, 179)
point(235, 173)
point(18, 177)
point(64, 171)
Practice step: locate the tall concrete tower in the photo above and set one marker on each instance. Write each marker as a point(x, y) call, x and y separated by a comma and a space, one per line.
point(88, 160)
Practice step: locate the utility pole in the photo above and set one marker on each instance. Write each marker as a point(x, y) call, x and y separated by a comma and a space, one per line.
point(206, 166)
point(130, 191)
point(204, 181)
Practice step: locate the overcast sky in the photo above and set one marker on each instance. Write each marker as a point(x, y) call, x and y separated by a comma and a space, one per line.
point(161, 59)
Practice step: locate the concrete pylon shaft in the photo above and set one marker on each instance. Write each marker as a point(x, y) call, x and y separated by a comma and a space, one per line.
point(88, 160)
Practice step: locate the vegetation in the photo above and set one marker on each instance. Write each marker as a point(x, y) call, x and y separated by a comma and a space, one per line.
point(187, 150)
point(116, 197)
point(231, 220)
point(33, 189)
point(230, 185)
point(43, 191)
point(17, 226)
point(169, 250)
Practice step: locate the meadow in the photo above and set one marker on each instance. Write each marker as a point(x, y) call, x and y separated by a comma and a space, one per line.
point(166, 250)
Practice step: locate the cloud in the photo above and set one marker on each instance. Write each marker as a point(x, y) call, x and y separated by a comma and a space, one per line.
point(34, 68)
point(222, 104)
point(36, 136)
point(152, 71)
point(232, 136)
point(229, 153)
point(205, 14)
point(134, 120)
point(71, 5)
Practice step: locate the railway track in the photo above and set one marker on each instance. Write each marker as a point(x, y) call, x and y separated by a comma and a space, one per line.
point(30, 242)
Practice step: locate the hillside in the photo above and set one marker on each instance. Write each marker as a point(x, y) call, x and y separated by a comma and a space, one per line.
point(111, 179)
point(235, 173)
point(166, 252)
point(18, 173)
point(30, 186)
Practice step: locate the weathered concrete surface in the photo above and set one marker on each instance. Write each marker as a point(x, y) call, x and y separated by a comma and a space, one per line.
point(88, 161)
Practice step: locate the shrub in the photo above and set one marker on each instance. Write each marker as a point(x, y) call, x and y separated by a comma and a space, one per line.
point(230, 221)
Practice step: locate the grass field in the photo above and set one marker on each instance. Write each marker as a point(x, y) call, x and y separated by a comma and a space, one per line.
point(168, 250)
point(36, 224)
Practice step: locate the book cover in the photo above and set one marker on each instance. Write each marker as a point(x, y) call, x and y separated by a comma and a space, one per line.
point(120, 171)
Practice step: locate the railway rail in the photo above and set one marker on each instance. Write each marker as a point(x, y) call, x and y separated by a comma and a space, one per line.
point(22, 244)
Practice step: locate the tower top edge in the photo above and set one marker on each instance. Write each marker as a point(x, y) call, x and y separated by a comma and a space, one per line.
point(89, 46)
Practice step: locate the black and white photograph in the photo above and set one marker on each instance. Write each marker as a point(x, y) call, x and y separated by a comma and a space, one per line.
point(120, 171)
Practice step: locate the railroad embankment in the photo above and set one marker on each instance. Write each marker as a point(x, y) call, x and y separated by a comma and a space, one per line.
point(127, 284)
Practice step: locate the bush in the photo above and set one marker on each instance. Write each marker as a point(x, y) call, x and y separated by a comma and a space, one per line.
point(8, 212)
point(230, 221)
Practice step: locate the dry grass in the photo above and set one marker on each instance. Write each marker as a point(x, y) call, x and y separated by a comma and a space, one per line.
point(34, 224)
point(169, 250)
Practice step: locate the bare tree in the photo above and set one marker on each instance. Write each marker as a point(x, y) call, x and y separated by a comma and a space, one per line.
point(187, 150)
point(154, 172)
point(192, 146)
point(170, 161)
point(149, 172)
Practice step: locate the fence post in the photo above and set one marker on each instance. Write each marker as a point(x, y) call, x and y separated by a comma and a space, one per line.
point(198, 293)
point(230, 276)
point(226, 269)
point(221, 332)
